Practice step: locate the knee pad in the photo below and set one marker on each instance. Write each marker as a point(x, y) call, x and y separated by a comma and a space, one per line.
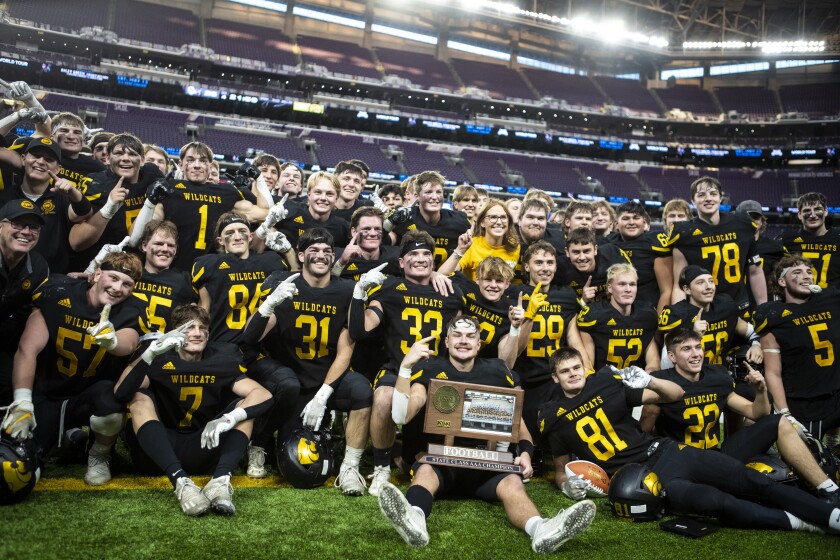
point(109, 425)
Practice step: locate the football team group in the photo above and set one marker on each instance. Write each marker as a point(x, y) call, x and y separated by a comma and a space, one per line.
point(205, 323)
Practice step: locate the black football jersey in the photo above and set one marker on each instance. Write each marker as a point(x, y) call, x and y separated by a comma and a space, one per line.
point(807, 334)
point(100, 187)
point(300, 219)
point(412, 312)
point(446, 232)
point(356, 267)
point(17, 288)
point(491, 371)
point(493, 315)
point(78, 171)
point(195, 209)
point(71, 361)
point(548, 332)
point(695, 418)
point(161, 292)
point(234, 285)
point(190, 394)
point(619, 340)
point(347, 213)
point(568, 275)
point(722, 316)
point(308, 327)
point(642, 253)
point(596, 425)
point(721, 249)
point(819, 250)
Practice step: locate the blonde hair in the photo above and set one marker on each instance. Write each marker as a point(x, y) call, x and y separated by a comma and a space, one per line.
point(511, 239)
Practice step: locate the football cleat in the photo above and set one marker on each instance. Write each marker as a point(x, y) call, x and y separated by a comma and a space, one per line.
point(99, 469)
point(381, 475)
point(568, 524)
point(831, 498)
point(220, 493)
point(350, 481)
point(256, 462)
point(193, 502)
point(408, 522)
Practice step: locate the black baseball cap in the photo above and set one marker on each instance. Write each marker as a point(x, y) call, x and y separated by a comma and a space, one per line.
point(44, 145)
point(21, 207)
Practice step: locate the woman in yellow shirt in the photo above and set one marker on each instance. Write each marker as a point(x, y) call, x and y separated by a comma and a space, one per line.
point(492, 235)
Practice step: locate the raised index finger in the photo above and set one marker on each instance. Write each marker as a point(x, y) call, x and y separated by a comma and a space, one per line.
point(186, 326)
point(588, 282)
point(5, 84)
point(106, 312)
point(519, 303)
point(292, 278)
point(428, 339)
point(380, 267)
point(537, 288)
point(284, 199)
point(699, 314)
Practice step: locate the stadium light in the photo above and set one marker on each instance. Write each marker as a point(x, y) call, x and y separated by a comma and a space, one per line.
point(767, 47)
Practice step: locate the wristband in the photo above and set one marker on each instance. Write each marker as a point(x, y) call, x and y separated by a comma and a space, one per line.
point(238, 415)
point(771, 350)
point(457, 255)
point(82, 207)
point(337, 268)
point(262, 231)
point(23, 395)
point(514, 331)
point(404, 372)
point(387, 226)
point(110, 209)
point(525, 446)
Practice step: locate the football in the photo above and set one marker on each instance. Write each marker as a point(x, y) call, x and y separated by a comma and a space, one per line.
point(597, 481)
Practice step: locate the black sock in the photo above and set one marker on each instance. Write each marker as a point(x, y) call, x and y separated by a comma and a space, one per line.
point(231, 448)
point(382, 457)
point(155, 443)
point(420, 497)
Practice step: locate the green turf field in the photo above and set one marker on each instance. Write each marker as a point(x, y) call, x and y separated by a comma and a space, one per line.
point(135, 517)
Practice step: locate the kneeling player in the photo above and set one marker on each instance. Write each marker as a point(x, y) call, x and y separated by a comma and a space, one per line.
point(408, 513)
point(192, 409)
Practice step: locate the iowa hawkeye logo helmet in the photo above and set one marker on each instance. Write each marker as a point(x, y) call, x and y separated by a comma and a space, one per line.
point(307, 458)
point(20, 469)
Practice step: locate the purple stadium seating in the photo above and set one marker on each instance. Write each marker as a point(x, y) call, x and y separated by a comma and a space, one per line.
point(227, 142)
point(250, 41)
point(752, 101)
point(501, 82)
point(339, 57)
point(485, 166)
point(155, 23)
point(60, 13)
point(616, 183)
point(418, 158)
point(420, 69)
point(817, 100)
point(551, 174)
point(829, 186)
point(688, 98)
point(576, 90)
point(628, 93)
point(334, 147)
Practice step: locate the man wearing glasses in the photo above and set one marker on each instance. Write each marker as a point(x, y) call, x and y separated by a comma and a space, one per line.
point(815, 241)
point(21, 272)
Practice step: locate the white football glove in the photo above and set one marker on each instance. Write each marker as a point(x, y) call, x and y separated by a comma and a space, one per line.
point(634, 377)
point(284, 290)
point(104, 252)
point(33, 114)
point(215, 428)
point(103, 332)
point(166, 342)
point(276, 241)
point(367, 281)
point(800, 429)
point(276, 214)
point(574, 487)
point(313, 412)
point(21, 91)
point(378, 202)
point(19, 420)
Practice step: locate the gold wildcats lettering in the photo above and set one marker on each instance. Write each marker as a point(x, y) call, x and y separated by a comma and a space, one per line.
point(700, 399)
point(152, 288)
point(183, 379)
point(719, 326)
point(812, 318)
point(593, 403)
point(822, 247)
point(628, 332)
point(198, 197)
point(423, 301)
point(78, 322)
point(483, 313)
point(714, 239)
point(136, 201)
point(246, 276)
point(314, 307)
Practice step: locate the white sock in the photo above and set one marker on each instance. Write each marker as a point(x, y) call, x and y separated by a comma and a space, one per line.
point(99, 448)
point(352, 456)
point(828, 485)
point(834, 519)
point(532, 524)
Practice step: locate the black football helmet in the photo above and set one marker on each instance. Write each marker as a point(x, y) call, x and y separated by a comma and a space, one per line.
point(636, 493)
point(21, 468)
point(307, 458)
point(773, 467)
point(825, 458)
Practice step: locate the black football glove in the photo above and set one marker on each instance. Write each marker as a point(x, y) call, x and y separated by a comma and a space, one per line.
point(158, 191)
point(243, 176)
point(399, 216)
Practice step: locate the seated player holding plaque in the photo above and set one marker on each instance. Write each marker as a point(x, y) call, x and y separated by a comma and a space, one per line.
point(408, 513)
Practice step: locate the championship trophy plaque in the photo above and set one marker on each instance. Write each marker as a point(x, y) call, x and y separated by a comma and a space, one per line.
point(466, 410)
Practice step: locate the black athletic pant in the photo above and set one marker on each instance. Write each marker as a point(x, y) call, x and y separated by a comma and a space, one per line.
point(284, 386)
